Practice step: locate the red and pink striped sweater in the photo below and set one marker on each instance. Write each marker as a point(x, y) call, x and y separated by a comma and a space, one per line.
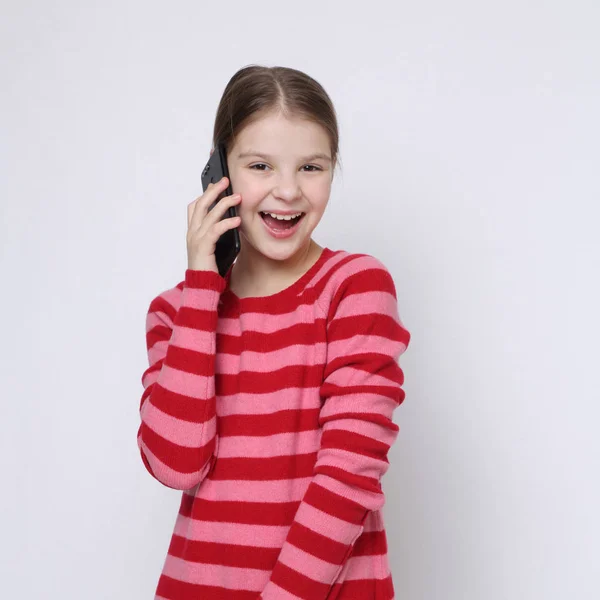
point(274, 416)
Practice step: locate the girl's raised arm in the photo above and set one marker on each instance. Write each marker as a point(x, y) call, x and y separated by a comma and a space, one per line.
point(177, 437)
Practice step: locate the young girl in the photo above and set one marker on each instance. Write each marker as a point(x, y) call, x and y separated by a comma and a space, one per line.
point(270, 392)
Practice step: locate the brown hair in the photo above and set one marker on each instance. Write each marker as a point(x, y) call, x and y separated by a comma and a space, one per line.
point(256, 90)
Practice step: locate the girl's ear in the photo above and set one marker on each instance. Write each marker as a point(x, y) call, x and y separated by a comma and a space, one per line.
point(211, 152)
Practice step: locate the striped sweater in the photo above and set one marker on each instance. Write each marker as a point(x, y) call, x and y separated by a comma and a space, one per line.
point(273, 415)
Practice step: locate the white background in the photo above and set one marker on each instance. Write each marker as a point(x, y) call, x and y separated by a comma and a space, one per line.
point(470, 167)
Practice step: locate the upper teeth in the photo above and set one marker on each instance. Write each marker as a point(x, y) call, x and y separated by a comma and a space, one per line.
point(283, 217)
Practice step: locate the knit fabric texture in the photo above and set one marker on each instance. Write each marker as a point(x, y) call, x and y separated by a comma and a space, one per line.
point(274, 417)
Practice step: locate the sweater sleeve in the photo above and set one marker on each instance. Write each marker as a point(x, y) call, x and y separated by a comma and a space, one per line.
point(177, 437)
point(361, 388)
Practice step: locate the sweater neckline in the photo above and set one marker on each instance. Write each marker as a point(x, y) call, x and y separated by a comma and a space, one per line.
point(286, 293)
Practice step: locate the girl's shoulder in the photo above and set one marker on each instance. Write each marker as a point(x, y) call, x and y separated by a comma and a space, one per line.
point(347, 276)
point(166, 303)
point(345, 266)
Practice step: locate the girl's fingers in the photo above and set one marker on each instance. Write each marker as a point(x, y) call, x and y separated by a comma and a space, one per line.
point(216, 214)
point(212, 192)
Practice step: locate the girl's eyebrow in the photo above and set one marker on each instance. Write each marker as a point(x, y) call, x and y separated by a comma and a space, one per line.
point(267, 157)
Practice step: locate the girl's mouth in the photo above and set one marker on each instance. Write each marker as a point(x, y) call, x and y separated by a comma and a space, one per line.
point(281, 228)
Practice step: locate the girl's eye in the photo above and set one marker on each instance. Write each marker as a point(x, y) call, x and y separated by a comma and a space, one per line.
point(312, 167)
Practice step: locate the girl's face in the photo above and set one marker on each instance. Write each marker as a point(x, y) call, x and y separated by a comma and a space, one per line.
point(273, 166)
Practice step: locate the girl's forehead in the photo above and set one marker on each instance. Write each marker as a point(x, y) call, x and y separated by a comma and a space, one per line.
point(276, 123)
point(268, 133)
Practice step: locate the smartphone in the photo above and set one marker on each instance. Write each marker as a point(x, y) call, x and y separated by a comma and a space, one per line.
point(228, 245)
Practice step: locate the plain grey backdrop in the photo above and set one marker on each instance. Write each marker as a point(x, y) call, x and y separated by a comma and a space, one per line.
point(470, 167)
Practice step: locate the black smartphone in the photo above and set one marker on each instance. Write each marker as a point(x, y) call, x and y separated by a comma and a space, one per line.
point(228, 245)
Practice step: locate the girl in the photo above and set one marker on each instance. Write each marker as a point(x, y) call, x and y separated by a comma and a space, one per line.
point(269, 396)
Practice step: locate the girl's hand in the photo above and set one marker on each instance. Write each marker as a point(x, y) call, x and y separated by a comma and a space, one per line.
point(205, 226)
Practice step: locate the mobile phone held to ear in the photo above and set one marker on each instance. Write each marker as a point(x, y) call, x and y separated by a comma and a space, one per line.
point(228, 245)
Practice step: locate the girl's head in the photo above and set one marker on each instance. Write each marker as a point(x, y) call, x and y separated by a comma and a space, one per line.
point(279, 129)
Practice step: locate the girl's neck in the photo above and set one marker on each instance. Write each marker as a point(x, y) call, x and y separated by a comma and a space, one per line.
point(256, 275)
